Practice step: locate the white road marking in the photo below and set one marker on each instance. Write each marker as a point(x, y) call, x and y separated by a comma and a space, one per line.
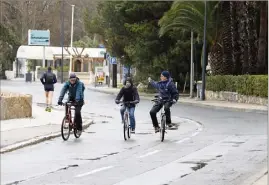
point(95, 171)
point(182, 140)
point(198, 130)
point(149, 153)
point(194, 134)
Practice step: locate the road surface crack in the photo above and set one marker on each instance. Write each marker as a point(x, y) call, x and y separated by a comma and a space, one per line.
point(34, 177)
point(97, 158)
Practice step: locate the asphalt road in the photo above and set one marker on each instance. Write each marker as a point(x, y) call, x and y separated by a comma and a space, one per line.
point(210, 147)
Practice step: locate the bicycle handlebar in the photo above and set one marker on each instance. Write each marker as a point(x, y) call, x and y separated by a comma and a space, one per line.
point(161, 100)
point(69, 104)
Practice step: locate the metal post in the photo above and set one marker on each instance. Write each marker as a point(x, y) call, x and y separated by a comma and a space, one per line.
point(204, 56)
point(62, 41)
point(44, 63)
point(192, 67)
point(17, 67)
point(114, 75)
point(71, 44)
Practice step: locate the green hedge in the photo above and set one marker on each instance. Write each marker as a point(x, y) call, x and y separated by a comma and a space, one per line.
point(251, 85)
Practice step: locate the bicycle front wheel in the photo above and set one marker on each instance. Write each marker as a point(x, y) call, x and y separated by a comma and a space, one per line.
point(65, 128)
point(77, 133)
point(126, 128)
point(162, 128)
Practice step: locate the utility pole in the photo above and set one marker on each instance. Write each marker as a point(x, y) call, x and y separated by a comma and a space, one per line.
point(204, 55)
point(62, 41)
point(71, 41)
point(192, 67)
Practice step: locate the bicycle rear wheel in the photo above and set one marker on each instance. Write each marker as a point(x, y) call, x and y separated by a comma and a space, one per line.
point(126, 128)
point(162, 128)
point(65, 129)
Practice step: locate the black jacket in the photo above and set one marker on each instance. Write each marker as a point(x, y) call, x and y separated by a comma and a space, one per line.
point(128, 94)
point(43, 80)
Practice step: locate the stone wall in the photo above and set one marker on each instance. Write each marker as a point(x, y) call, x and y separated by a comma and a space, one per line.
point(235, 97)
point(14, 105)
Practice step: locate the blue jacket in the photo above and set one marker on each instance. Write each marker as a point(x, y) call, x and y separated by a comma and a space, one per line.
point(167, 89)
point(76, 91)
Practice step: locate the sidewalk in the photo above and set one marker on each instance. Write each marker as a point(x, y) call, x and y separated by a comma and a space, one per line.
point(262, 180)
point(18, 133)
point(244, 107)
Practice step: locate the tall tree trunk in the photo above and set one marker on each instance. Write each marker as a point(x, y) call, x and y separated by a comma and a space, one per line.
point(262, 60)
point(235, 36)
point(227, 65)
point(252, 36)
point(241, 14)
point(215, 57)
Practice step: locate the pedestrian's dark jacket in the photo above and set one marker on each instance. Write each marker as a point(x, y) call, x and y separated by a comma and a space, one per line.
point(167, 89)
point(76, 91)
point(128, 94)
point(46, 84)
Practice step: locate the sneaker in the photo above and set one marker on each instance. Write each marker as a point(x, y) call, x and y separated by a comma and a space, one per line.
point(169, 125)
point(132, 130)
point(157, 129)
point(49, 109)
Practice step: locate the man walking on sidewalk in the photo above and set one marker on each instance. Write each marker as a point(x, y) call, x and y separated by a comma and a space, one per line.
point(48, 79)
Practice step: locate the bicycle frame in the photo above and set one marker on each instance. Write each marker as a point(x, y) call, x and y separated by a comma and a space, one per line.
point(127, 109)
point(68, 108)
point(126, 120)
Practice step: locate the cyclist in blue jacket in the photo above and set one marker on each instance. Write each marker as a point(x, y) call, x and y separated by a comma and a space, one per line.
point(167, 91)
point(76, 94)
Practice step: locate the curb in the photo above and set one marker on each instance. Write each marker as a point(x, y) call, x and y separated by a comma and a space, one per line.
point(254, 179)
point(36, 140)
point(145, 97)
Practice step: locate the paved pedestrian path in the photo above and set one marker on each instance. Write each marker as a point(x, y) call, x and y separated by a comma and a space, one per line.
point(17, 133)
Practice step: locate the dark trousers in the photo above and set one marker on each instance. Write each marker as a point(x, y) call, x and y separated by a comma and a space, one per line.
point(77, 118)
point(156, 108)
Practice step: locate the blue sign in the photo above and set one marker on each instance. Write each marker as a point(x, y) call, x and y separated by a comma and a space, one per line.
point(101, 46)
point(38, 37)
point(113, 60)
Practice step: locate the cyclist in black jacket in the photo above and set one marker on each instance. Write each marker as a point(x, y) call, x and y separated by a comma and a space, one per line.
point(130, 94)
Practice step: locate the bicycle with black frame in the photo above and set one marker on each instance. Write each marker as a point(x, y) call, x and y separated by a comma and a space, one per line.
point(126, 120)
point(68, 123)
point(162, 118)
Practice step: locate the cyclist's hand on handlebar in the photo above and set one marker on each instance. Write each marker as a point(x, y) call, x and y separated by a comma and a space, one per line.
point(60, 103)
point(174, 101)
point(117, 101)
point(135, 102)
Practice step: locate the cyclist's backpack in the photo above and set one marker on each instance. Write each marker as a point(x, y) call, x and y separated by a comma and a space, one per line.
point(49, 78)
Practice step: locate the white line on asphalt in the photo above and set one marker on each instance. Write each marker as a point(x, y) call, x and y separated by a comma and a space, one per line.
point(149, 153)
point(194, 134)
point(182, 140)
point(95, 171)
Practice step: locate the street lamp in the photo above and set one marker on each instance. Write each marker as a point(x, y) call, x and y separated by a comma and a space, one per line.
point(71, 42)
point(204, 56)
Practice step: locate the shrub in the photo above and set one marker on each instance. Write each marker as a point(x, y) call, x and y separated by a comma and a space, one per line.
point(250, 85)
point(65, 68)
